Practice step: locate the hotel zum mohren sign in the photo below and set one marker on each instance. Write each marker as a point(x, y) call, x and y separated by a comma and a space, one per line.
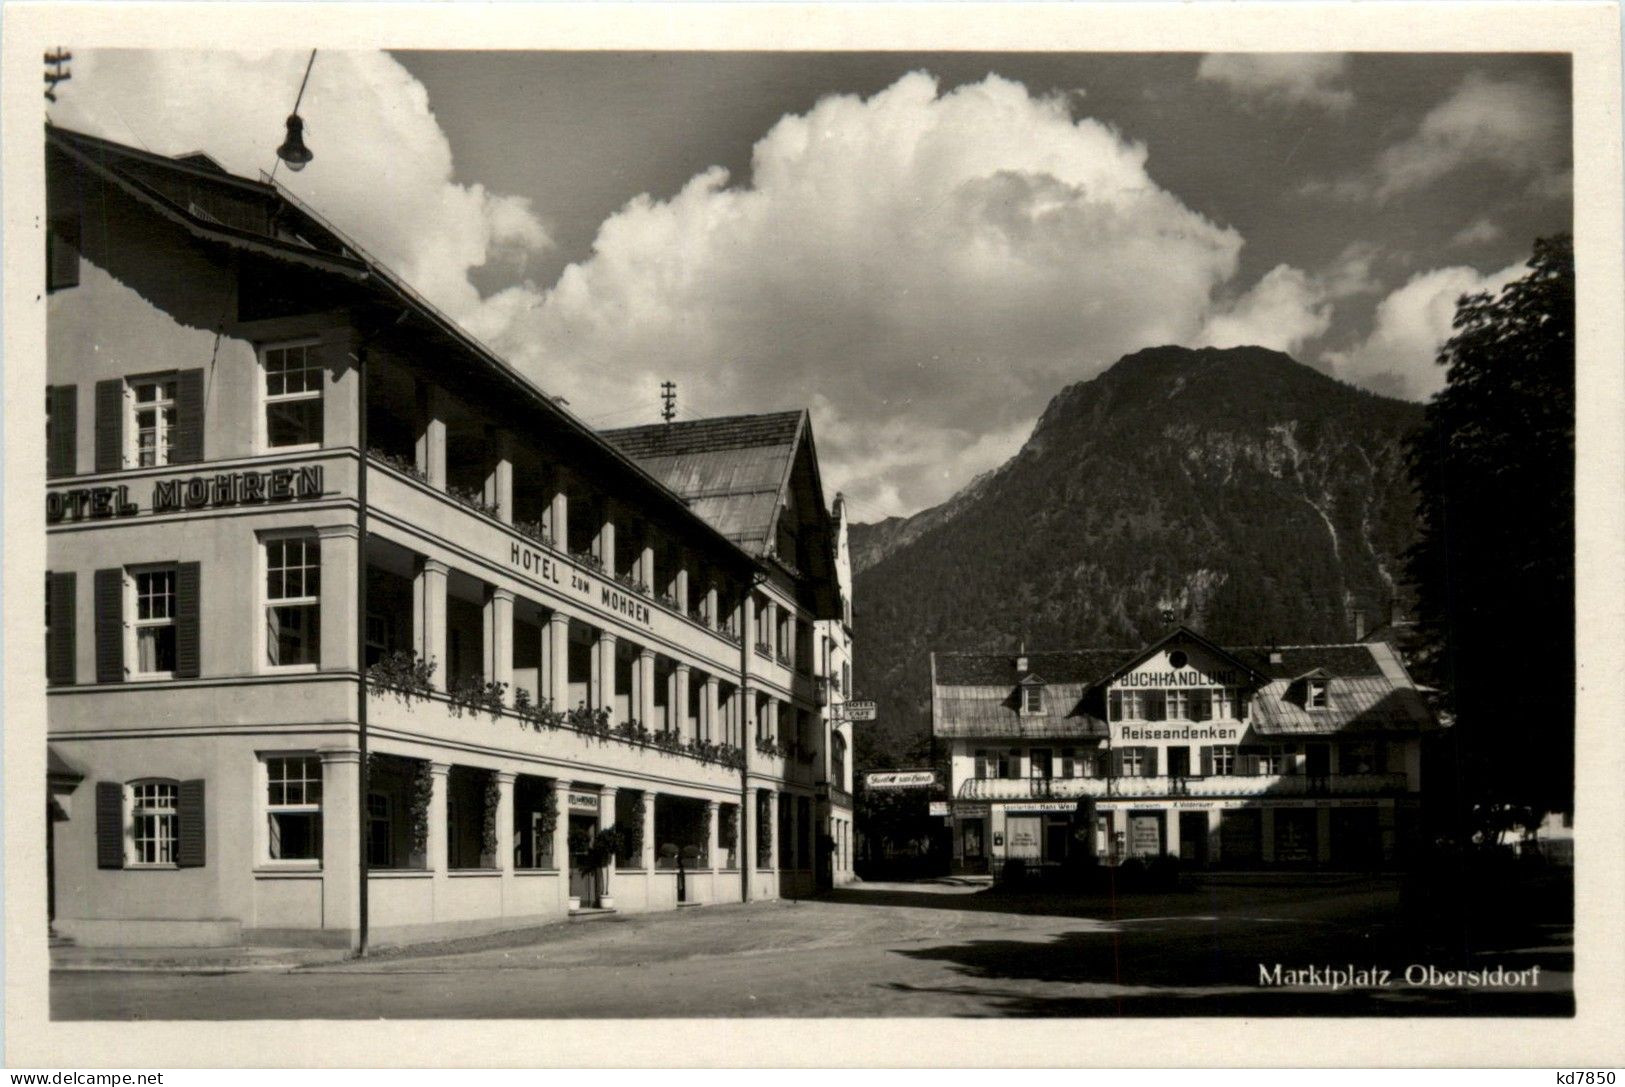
point(195, 492)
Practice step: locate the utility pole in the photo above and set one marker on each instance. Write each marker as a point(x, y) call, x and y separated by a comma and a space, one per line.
point(668, 398)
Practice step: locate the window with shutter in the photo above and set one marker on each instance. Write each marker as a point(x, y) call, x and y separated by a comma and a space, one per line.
point(152, 421)
point(192, 847)
point(187, 447)
point(1151, 769)
point(109, 824)
point(109, 425)
point(109, 592)
point(60, 614)
point(188, 648)
point(61, 431)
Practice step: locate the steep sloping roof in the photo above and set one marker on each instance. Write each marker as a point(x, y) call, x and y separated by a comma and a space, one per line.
point(733, 469)
point(1368, 690)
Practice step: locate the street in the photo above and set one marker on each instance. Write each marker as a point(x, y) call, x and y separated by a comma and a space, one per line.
point(916, 949)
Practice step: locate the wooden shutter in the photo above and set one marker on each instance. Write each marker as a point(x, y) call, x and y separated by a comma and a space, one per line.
point(109, 824)
point(59, 654)
point(191, 841)
point(109, 590)
point(1156, 706)
point(187, 444)
point(1207, 761)
point(62, 452)
point(1150, 754)
point(188, 586)
point(109, 425)
point(1117, 762)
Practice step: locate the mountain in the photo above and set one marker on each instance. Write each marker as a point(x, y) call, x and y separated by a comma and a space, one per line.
point(1256, 499)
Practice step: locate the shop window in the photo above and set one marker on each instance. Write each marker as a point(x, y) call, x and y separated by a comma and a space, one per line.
point(154, 824)
point(293, 570)
point(293, 397)
point(293, 807)
point(380, 831)
point(151, 421)
point(153, 631)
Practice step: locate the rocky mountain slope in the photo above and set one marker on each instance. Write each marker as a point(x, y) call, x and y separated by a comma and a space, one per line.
point(1256, 499)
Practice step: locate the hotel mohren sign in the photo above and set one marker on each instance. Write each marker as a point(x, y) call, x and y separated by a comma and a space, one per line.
point(196, 492)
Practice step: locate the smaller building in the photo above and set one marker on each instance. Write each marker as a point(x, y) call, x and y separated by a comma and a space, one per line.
point(1248, 757)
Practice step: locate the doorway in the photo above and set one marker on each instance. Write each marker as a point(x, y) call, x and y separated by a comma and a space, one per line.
point(583, 885)
point(1193, 838)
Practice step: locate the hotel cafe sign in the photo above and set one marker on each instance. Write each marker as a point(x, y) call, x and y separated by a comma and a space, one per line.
point(193, 493)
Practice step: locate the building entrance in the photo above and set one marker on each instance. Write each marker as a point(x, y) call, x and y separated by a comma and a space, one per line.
point(1193, 838)
point(583, 886)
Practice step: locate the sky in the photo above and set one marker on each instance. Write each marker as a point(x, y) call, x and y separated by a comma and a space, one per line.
point(922, 249)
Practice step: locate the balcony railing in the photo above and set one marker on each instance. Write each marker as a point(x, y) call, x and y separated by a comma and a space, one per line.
point(1214, 786)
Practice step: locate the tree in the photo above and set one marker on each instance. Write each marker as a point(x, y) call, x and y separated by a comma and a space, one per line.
point(1493, 566)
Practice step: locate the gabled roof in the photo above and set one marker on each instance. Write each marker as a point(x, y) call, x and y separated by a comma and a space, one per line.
point(1368, 690)
point(1178, 636)
point(734, 470)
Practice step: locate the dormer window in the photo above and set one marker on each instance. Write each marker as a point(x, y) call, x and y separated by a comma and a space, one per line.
point(1315, 694)
point(1032, 698)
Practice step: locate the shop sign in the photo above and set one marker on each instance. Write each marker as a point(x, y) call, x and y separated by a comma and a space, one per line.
point(584, 802)
point(196, 492)
point(1043, 806)
point(939, 808)
point(1178, 733)
point(857, 710)
point(971, 811)
point(1145, 835)
point(900, 779)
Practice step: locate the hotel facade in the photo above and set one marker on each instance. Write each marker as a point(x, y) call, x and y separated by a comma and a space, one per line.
point(352, 629)
point(1292, 756)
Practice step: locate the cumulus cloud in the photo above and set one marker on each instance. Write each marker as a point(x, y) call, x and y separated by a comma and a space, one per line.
point(926, 269)
point(1411, 324)
point(1284, 309)
point(1516, 126)
point(383, 170)
point(1313, 79)
point(1477, 232)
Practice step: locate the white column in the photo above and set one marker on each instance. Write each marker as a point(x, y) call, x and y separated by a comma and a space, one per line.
point(646, 572)
point(499, 484)
point(499, 639)
point(773, 829)
point(644, 673)
point(711, 604)
point(603, 672)
point(606, 818)
point(680, 706)
point(429, 633)
point(647, 860)
point(341, 568)
point(709, 728)
point(680, 583)
point(341, 840)
point(606, 538)
point(557, 641)
point(430, 449)
point(504, 820)
point(561, 835)
point(558, 509)
point(439, 779)
point(713, 848)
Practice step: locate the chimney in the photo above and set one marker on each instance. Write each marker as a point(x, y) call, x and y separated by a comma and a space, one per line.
point(1021, 657)
point(1359, 624)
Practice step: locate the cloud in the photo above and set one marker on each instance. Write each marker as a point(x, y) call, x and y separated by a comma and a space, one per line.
point(1515, 126)
point(1477, 232)
point(1313, 79)
point(1284, 309)
point(926, 270)
point(383, 170)
point(1411, 324)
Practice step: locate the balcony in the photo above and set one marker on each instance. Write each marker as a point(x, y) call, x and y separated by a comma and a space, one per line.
point(1217, 786)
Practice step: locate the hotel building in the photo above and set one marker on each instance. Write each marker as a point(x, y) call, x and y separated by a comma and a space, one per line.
point(351, 628)
point(1307, 756)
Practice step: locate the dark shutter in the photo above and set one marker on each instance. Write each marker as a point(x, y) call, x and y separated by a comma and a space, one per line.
point(109, 824)
point(191, 841)
point(1117, 762)
point(1114, 703)
point(1207, 762)
point(188, 585)
point(1156, 706)
point(59, 654)
point(187, 446)
point(110, 625)
point(62, 449)
point(1150, 761)
point(109, 425)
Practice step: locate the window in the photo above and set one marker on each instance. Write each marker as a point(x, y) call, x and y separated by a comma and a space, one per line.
point(152, 421)
point(1315, 694)
point(1128, 705)
point(293, 397)
point(154, 626)
point(1133, 762)
point(1032, 698)
point(1224, 760)
point(293, 806)
point(1039, 765)
point(1271, 761)
point(1228, 704)
point(154, 822)
point(1179, 705)
point(982, 765)
point(380, 834)
point(1358, 758)
point(293, 570)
